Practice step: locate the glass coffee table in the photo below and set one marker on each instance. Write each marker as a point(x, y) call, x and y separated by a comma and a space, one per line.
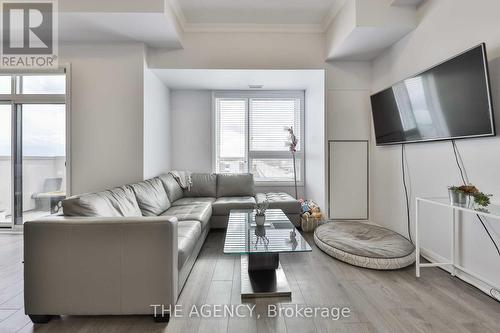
point(259, 247)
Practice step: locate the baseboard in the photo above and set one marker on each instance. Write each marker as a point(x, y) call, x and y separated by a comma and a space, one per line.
point(474, 279)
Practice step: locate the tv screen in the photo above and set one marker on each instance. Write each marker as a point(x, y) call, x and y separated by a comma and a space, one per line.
point(451, 100)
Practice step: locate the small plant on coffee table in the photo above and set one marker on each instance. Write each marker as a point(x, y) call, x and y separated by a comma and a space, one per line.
point(261, 207)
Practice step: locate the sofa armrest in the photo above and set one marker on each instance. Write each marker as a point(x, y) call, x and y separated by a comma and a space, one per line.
point(281, 200)
point(94, 265)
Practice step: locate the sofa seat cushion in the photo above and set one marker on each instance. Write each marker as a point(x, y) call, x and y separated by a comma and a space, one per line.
point(235, 185)
point(188, 235)
point(280, 200)
point(116, 202)
point(222, 206)
point(151, 196)
point(203, 185)
point(193, 201)
point(199, 212)
point(174, 190)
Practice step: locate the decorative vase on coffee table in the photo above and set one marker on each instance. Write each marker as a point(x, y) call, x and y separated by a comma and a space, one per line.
point(260, 220)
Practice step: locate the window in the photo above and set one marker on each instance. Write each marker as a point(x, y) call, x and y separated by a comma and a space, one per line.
point(5, 84)
point(32, 145)
point(43, 84)
point(251, 136)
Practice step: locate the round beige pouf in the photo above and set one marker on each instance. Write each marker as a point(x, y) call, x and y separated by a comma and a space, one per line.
point(365, 245)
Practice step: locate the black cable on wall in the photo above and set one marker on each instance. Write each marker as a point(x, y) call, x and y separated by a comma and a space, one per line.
point(408, 220)
point(455, 151)
point(463, 175)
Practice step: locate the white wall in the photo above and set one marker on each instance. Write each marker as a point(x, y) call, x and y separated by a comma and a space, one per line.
point(243, 51)
point(446, 27)
point(348, 118)
point(106, 114)
point(157, 135)
point(191, 126)
point(315, 139)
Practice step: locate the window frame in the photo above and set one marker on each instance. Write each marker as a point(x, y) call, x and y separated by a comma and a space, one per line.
point(16, 97)
point(263, 94)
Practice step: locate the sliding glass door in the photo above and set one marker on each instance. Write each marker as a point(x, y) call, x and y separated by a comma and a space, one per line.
point(5, 164)
point(43, 174)
point(33, 150)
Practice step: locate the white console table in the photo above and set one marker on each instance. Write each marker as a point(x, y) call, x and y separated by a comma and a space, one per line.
point(492, 211)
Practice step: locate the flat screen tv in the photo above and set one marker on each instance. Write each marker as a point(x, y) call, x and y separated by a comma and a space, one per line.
point(449, 101)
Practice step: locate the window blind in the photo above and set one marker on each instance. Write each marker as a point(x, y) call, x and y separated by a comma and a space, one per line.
point(231, 135)
point(268, 119)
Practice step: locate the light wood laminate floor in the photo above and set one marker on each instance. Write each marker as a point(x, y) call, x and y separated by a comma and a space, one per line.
point(380, 301)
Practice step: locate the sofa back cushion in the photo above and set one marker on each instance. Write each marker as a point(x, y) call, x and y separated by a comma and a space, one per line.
point(203, 185)
point(174, 190)
point(151, 196)
point(119, 201)
point(235, 185)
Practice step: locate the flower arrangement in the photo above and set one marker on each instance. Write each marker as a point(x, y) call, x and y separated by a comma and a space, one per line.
point(292, 139)
point(470, 191)
point(292, 143)
point(261, 207)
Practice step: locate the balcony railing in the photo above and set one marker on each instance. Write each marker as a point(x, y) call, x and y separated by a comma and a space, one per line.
point(44, 180)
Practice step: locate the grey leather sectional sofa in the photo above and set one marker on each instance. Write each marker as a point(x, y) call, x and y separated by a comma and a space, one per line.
point(122, 250)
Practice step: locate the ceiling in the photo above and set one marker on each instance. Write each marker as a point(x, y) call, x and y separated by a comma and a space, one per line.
point(202, 15)
point(146, 21)
point(160, 23)
point(356, 29)
point(154, 29)
point(256, 11)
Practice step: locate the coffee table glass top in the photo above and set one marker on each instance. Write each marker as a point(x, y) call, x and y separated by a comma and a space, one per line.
point(243, 236)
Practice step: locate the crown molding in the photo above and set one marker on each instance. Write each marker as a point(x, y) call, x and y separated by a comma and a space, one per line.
point(254, 27)
point(415, 3)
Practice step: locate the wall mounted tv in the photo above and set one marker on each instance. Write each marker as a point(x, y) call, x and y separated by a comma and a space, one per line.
point(449, 101)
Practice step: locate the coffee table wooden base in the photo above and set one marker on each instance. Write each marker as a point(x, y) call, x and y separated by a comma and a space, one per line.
point(263, 282)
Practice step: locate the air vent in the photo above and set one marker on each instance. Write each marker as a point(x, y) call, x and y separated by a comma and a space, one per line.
point(255, 86)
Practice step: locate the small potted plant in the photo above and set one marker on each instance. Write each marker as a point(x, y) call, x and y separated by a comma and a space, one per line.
point(260, 212)
point(467, 196)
